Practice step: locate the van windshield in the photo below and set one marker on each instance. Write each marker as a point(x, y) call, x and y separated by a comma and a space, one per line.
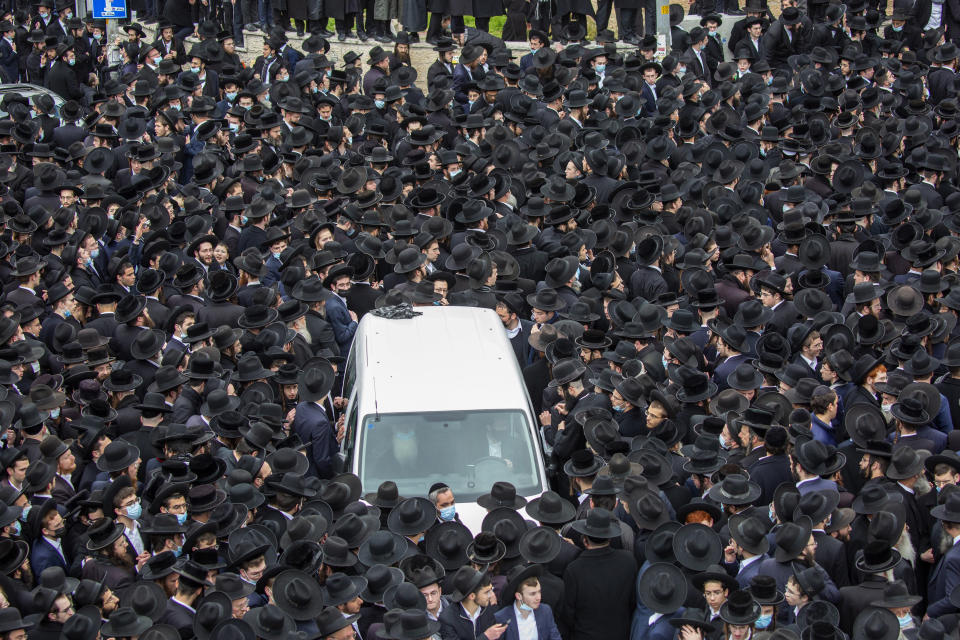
point(467, 450)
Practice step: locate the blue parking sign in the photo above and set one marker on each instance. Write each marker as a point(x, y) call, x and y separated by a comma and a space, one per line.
point(103, 9)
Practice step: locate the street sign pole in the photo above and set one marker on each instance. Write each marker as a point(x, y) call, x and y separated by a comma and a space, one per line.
point(663, 28)
point(110, 11)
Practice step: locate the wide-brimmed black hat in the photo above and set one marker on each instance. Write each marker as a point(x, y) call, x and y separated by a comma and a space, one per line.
point(819, 458)
point(735, 489)
point(502, 494)
point(662, 588)
point(125, 623)
point(896, 595)
point(412, 516)
point(486, 549)
point(447, 542)
point(383, 547)
point(298, 594)
point(540, 545)
point(740, 609)
point(464, 582)
point(875, 623)
point(551, 508)
point(791, 538)
point(697, 546)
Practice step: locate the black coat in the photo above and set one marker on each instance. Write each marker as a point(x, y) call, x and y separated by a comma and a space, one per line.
point(455, 625)
point(599, 596)
point(855, 599)
point(62, 79)
point(216, 314)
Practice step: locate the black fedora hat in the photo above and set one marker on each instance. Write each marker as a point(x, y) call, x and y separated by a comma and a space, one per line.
point(662, 588)
point(876, 623)
point(447, 542)
point(297, 594)
point(696, 546)
point(502, 494)
point(740, 609)
point(551, 508)
point(383, 547)
point(486, 549)
point(599, 523)
point(540, 545)
point(791, 538)
point(464, 582)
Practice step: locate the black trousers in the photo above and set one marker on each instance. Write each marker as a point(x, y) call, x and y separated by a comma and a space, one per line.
point(604, 9)
point(435, 28)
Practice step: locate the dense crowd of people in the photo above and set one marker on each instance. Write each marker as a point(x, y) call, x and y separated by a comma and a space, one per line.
point(729, 277)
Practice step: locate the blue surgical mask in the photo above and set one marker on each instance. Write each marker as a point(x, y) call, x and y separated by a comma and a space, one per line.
point(134, 511)
point(380, 104)
point(68, 15)
point(724, 443)
point(764, 621)
point(447, 514)
point(234, 126)
point(600, 68)
point(314, 89)
point(231, 95)
point(97, 36)
point(276, 255)
point(897, 30)
point(523, 606)
point(455, 172)
point(55, 413)
point(67, 313)
point(16, 527)
point(181, 518)
point(25, 513)
point(94, 253)
point(196, 70)
point(770, 81)
point(329, 73)
point(244, 219)
point(178, 551)
point(663, 361)
point(72, 62)
point(532, 50)
point(771, 515)
point(905, 620)
point(157, 60)
point(470, 104)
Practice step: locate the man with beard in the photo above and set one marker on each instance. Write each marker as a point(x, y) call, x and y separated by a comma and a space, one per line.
point(795, 543)
point(874, 462)
point(906, 470)
point(110, 561)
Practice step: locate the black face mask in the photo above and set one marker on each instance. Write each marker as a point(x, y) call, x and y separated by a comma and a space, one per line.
point(58, 532)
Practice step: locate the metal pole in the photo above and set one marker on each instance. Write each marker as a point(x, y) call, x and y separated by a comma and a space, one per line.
point(663, 28)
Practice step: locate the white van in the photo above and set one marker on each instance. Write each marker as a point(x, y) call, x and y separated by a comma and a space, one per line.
point(440, 398)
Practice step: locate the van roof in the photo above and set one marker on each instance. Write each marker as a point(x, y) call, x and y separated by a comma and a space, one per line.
point(458, 357)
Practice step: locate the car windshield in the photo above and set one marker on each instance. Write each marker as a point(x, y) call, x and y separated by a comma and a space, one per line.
point(467, 450)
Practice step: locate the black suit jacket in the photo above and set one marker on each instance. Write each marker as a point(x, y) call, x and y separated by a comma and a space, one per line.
point(63, 80)
point(855, 599)
point(180, 618)
point(769, 473)
point(216, 314)
point(599, 595)
point(362, 298)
